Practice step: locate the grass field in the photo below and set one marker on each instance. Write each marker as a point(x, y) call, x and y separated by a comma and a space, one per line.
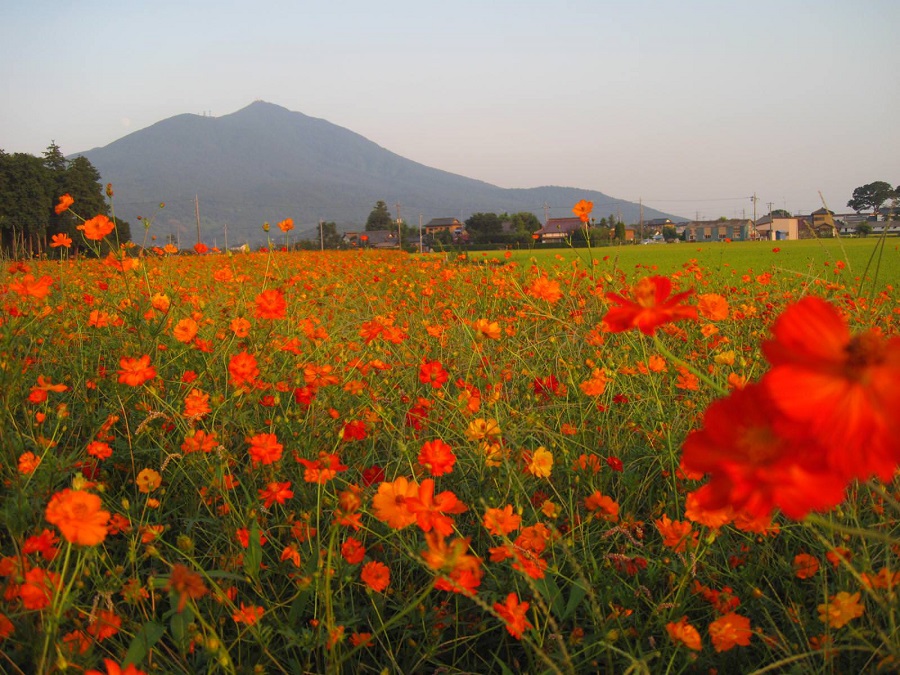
point(370, 462)
point(871, 259)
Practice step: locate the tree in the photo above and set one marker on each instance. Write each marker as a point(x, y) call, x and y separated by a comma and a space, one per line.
point(863, 229)
point(482, 227)
point(620, 231)
point(871, 196)
point(379, 218)
point(669, 232)
point(781, 213)
point(26, 200)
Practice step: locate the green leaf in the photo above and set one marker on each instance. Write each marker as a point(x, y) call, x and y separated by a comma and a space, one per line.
point(253, 557)
point(178, 624)
point(143, 642)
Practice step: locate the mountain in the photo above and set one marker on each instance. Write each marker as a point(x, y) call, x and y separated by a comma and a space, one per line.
point(265, 163)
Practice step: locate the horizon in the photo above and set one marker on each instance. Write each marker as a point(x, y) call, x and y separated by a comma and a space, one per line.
point(643, 102)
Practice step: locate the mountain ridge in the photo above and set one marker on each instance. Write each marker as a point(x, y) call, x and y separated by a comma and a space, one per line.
point(264, 163)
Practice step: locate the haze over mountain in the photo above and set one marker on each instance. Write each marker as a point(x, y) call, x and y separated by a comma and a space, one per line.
point(265, 163)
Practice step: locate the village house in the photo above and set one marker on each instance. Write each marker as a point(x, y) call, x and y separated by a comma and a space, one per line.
point(451, 225)
point(372, 239)
point(558, 229)
point(734, 229)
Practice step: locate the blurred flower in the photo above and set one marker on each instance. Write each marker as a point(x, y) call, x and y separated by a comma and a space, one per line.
point(681, 632)
point(60, 240)
point(64, 203)
point(513, 613)
point(840, 609)
point(729, 631)
point(79, 516)
point(648, 307)
point(583, 210)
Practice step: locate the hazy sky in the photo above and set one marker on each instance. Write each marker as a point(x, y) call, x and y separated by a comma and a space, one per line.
point(691, 105)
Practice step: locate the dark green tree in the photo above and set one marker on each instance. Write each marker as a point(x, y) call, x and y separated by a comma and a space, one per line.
point(379, 218)
point(620, 231)
point(26, 201)
point(863, 229)
point(781, 213)
point(330, 237)
point(669, 233)
point(871, 196)
point(483, 227)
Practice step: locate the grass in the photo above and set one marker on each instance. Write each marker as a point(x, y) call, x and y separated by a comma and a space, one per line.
point(253, 474)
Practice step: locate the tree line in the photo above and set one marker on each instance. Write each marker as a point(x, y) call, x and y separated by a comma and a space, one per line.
point(30, 188)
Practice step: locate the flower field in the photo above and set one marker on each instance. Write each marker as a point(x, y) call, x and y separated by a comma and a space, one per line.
point(367, 462)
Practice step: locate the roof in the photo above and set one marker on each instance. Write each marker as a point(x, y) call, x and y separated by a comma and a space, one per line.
point(442, 222)
point(731, 222)
point(561, 225)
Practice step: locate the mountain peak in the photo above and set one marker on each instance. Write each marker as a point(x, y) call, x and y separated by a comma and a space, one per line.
point(264, 163)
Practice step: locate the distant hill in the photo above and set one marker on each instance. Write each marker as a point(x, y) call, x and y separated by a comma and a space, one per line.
point(265, 163)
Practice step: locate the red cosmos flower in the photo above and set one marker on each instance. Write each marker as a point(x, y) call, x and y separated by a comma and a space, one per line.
point(243, 369)
point(353, 551)
point(276, 492)
point(355, 430)
point(323, 469)
point(842, 388)
point(544, 387)
point(437, 457)
point(513, 613)
point(201, 248)
point(270, 304)
point(431, 510)
point(648, 307)
point(372, 475)
point(376, 575)
point(134, 372)
point(60, 240)
point(758, 460)
point(264, 449)
point(433, 373)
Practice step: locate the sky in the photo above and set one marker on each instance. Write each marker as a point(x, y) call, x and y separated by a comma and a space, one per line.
point(692, 107)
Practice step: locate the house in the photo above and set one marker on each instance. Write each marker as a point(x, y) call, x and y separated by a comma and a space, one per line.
point(822, 223)
point(557, 229)
point(734, 229)
point(779, 228)
point(451, 225)
point(372, 239)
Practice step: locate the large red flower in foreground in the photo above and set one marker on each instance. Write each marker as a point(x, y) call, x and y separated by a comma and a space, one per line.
point(758, 460)
point(841, 388)
point(648, 307)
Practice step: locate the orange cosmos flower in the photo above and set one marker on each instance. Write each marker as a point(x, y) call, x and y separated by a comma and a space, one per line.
point(677, 534)
point(97, 227)
point(353, 551)
point(187, 584)
point(483, 429)
point(196, 404)
point(134, 372)
point(712, 306)
point(148, 480)
point(264, 449)
point(513, 613)
point(602, 507)
point(271, 304)
point(113, 668)
point(541, 463)
point(543, 288)
point(390, 502)
point(64, 203)
point(730, 630)
point(105, 624)
point(757, 461)
point(28, 462)
point(583, 210)
point(29, 287)
point(487, 328)
point(501, 522)
point(243, 369)
point(648, 307)
point(841, 609)
point(240, 327)
point(199, 441)
point(200, 248)
point(842, 388)
point(437, 457)
point(681, 632)
point(375, 575)
point(248, 614)
point(60, 239)
point(185, 330)
point(79, 516)
point(286, 225)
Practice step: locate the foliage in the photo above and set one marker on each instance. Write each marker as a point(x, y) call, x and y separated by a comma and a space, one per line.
point(871, 196)
point(379, 218)
point(249, 426)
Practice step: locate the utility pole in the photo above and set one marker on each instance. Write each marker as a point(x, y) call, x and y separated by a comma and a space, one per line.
point(226, 236)
point(197, 213)
point(421, 250)
point(399, 224)
point(641, 202)
point(754, 199)
point(546, 212)
point(770, 204)
point(321, 235)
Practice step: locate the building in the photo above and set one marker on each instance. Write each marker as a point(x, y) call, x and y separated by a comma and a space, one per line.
point(451, 225)
point(779, 228)
point(372, 239)
point(735, 229)
point(557, 229)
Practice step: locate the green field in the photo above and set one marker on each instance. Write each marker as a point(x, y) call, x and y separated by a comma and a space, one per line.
point(876, 260)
